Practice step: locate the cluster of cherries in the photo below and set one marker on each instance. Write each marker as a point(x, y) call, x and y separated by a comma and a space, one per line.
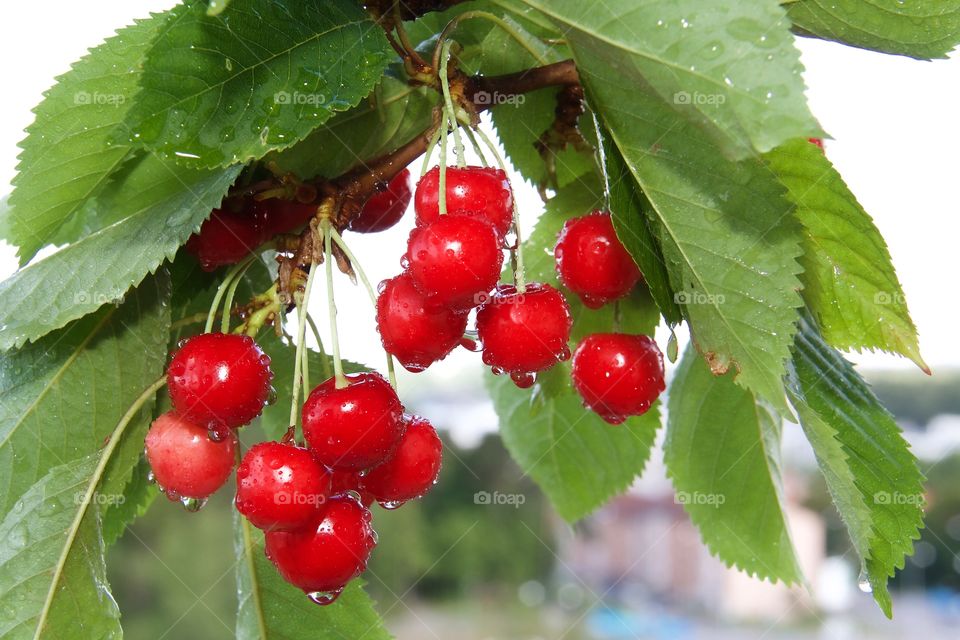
point(452, 264)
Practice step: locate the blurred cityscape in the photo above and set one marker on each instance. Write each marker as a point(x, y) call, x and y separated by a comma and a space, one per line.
point(487, 542)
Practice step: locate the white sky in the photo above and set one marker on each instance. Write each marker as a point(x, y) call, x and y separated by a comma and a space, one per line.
point(894, 121)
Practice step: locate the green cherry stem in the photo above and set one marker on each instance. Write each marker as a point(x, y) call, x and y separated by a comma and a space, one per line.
point(340, 380)
point(450, 118)
point(512, 31)
point(228, 298)
point(299, 363)
point(434, 139)
point(324, 360)
point(221, 290)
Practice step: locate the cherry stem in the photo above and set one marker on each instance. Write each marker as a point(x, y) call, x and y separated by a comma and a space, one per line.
point(227, 279)
point(404, 39)
point(442, 196)
point(450, 118)
point(486, 15)
point(518, 274)
point(370, 290)
point(299, 364)
point(228, 299)
point(340, 379)
point(434, 139)
point(324, 360)
point(476, 145)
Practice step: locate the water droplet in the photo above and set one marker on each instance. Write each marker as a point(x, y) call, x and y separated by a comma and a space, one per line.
point(523, 379)
point(471, 345)
point(324, 598)
point(193, 504)
point(272, 396)
point(863, 582)
point(390, 505)
point(218, 434)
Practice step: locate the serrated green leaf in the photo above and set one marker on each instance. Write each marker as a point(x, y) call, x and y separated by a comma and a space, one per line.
point(133, 503)
point(218, 90)
point(723, 454)
point(849, 281)
point(66, 158)
point(870, 471)
point(148, 212)
point(578, 460)
point(64, 459)
point(921, 29)
point(730, 67)
point(269, 608)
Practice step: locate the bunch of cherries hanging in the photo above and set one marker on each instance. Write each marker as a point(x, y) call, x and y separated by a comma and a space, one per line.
point(359, 446)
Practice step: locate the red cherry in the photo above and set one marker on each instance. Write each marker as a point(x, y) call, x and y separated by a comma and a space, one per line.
point(345, 481)
point(384, 208)
point(592, 262)
point(455, 261)
point(816, 141)
point(355, 427)
point(323, 558)
point(524, 332)
point(417, 334)
point(219, 380)
point(184, 460)
point(283, 216)
point(413, 468)
point(618, 375)
point(280, 487)
point(227, 237)
point(481, 192)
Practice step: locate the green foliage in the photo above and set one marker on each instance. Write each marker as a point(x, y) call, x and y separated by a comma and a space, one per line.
point(870, 471)
point(217, 90)
point(921, 29)
point(723, 454)
point(63, 400)
point(848, 279)
point(66, 157)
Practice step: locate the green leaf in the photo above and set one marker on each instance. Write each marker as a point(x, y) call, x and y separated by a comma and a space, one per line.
point(270, 608)
point(365, 132)
point(921, 29)
point(870, 471)
point(578, 460)
point(849, 281)
point(218, 90)
point(66, 158)
point(148, 212)
point(133, 503)
point(723, 454)
point(69, 440)
point(730, 67)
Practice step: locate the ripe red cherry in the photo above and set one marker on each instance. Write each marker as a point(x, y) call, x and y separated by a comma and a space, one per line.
point(411, 471)
point(481, 192)
point(356, 427)
point(592, 262)
point(185, 462)
point(228, 236)
point(618, 375)
point(345, 481)
point(524, 332)
point(385, 208)
point(280, 487)
point(283, 216)
point(323, 558)
point(219, 380)
point(816, 141)
point(416, 333)
point(455, 261)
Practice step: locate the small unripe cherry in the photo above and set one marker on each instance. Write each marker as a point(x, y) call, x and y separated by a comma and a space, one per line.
point(454, 261)
point(413, 468)
point(592, 262)
point(618, 375)
point(416, 333)
point(184, 461)
point(219, 380)
point(356, 427)
point(281, 487)
point(482, 192)
point(523, 333)
point(324, 557)
point(384, 209)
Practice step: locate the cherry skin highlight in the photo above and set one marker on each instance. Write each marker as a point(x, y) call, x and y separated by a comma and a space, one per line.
point(356, 427)
point(219, 380)
point(413, 468)
point(344, 481)
point(454, 261)
point(523, 333)
point(592, 262)
point(185, 462)
point(330, 553)
point(481, 192)
point(227, 237)
point(384, 208)
point(416, 333)
point(618, 375)
point(280, 487)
